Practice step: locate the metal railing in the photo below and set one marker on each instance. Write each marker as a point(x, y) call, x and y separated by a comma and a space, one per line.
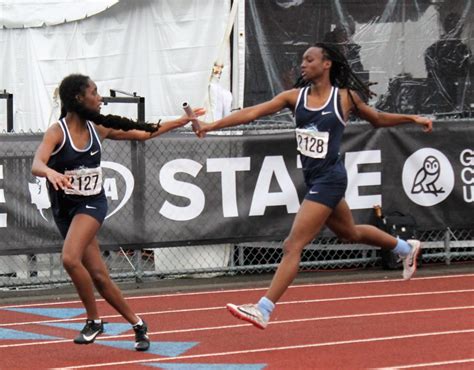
point(9, 98)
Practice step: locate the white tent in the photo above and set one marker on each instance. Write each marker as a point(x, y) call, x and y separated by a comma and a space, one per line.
point(163, 50)
point(38, 13)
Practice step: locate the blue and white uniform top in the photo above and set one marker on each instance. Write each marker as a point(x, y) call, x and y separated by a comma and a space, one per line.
point(82, 165)
point(318, 133)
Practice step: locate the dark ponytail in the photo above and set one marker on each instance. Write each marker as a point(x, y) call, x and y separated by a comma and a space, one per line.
point(76, 84)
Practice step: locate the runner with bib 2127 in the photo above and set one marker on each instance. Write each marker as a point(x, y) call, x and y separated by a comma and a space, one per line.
point(69, 156)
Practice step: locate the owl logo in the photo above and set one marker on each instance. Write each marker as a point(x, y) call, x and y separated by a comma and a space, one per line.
point(426, 177)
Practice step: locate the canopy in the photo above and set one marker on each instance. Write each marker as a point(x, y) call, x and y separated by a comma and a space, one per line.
point(38, 13)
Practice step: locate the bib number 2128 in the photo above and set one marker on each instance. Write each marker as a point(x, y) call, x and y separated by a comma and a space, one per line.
point(311, 143)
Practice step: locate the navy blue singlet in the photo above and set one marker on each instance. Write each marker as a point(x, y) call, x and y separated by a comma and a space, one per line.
point(319, 133)
point(67, 157)
point(324, 119)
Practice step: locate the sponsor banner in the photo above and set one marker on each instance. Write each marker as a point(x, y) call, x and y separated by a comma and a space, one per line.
point(178, 190)
point(430, 176)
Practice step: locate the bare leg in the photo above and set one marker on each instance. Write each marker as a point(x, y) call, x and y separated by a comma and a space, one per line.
point(307, 224)
point(81, 232)
point(97, 269)
point(342, 224)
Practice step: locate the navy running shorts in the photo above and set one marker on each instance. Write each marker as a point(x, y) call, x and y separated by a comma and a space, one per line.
point(329, 187)
point(95, 206)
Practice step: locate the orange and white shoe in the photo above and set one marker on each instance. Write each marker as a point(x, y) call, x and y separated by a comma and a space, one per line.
point(250, 313)
point(409, 261)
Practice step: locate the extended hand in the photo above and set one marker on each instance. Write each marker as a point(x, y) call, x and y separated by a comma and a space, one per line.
point(203, 128)
point(426, 122)
point(197, 112)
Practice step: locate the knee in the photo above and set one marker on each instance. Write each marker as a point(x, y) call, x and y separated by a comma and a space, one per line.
point(290, 248)
point(70, 263)
point(352, 236)
point(355, 237)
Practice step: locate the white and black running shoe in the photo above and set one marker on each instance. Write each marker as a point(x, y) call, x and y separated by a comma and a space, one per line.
point(89, 332)
point(142, 341)
point(409, 261)
point(250, 313)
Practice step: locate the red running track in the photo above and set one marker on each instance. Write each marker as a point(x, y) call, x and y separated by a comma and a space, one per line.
point(424, 323)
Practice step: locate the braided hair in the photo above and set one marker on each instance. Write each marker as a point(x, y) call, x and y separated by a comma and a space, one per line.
point(76, 84)
point(340, 74)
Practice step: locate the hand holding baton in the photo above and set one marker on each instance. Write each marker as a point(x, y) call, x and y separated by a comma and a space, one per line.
point(189, 112)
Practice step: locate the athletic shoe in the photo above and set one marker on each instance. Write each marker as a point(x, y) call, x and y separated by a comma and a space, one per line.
point(409, 261)
point(250, 313)
point(89, 332)
point(142, 342)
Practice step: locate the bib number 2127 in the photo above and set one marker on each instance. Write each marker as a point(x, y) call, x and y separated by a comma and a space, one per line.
point(85, 181)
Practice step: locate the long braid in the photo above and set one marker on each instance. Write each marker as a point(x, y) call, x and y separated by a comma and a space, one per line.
point(76, 84)
point(340, 74)
point(113, 121)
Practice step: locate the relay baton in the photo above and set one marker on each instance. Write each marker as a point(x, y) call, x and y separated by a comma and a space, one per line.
point(190, 114)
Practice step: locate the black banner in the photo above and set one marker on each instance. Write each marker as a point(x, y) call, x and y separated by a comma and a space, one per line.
point(179, 190)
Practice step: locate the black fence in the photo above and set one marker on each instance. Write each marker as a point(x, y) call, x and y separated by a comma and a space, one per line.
point(180, 205)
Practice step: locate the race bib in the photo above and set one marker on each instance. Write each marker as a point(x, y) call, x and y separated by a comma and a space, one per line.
point(85, 181)
point(311, 143)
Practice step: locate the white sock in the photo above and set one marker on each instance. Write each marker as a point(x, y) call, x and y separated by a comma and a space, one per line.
point(266, 307)
point(402, 248)
point(139, 322)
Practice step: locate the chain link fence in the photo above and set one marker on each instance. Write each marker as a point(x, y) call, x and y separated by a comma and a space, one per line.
point(178, 258)
point(45, 270)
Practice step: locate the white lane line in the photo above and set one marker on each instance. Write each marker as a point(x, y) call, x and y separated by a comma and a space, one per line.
point(274, 349)
point(276, 322)
point(247, 290)
point(429, 364)
point(201, 309)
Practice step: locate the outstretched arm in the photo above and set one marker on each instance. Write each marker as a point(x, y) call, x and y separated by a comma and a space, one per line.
point(383, 119)
point(143, 135)
point(286, 99)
